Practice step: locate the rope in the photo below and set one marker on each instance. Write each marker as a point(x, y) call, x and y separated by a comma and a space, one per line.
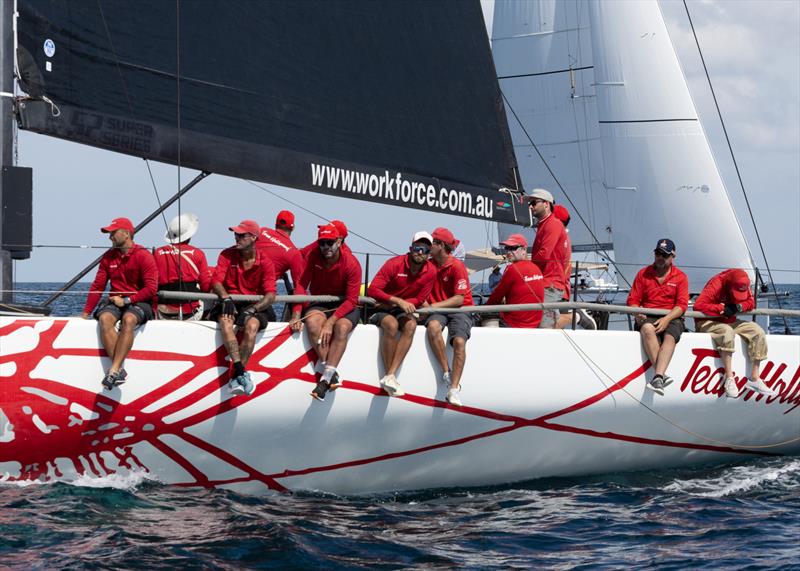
point(669, 421)
point(735, 164)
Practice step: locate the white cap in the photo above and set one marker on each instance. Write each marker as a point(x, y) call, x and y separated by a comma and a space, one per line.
point(181, 228)
point(422, 235)
point(542, 194)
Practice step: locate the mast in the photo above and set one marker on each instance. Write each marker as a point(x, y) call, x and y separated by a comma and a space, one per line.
point(6, 132)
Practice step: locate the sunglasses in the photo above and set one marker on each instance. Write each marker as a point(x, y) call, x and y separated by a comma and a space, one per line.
point(511, 248)
point(661, 254)
point(326, 243)
point(241, 236)
point(420, 249)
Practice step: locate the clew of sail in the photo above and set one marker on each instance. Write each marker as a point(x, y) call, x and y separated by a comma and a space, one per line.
point(660, 174)
point(543, 55)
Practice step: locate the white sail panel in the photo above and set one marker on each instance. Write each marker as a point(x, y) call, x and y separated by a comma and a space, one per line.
point(661, 176)
point(542, 52)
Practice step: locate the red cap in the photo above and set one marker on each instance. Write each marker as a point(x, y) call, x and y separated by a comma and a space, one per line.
point(285, 218)
point(561, 213)
point(328, 232)
point(247, 227)
point(739, 285)
point(445, 236)
point(118, 224)
point(340, 226)
point(515, 240)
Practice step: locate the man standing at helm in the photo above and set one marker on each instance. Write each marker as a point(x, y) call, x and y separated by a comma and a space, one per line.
point(181, 267)
point(549, 252)
point(134, 281)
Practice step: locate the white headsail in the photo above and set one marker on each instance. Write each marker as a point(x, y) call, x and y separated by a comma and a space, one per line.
point(661, 176)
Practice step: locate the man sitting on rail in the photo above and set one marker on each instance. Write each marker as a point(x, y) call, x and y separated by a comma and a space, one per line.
point(134, 281)
point(341, 227)
point(330, 270)
point(450, 289)
point(182, 267)
point(278, 246)
point(725, 295)
point(242, 269)
point(522, 282)
point(403, 283)
point(660, 285)
point(549, 251)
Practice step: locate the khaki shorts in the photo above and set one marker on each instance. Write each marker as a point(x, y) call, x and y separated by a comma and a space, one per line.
point(723, 335)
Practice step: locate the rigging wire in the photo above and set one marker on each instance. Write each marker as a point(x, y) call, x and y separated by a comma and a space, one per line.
point(735, 164)
point(566, 195)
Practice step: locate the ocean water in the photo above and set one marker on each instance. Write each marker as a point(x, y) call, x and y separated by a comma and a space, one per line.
point(741, 515)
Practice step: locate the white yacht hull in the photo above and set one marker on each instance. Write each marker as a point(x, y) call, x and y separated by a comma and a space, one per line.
point(537, 404)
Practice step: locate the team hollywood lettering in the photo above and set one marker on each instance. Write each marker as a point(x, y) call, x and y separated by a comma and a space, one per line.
point(705, 377)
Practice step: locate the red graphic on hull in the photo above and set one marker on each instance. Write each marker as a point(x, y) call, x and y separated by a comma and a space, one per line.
point(40, 436)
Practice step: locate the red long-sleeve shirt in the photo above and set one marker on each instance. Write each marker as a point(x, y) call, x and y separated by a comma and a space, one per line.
point(522, 282)
point(282, 252)
point(716, 294)
point(452, 279)
point(132, 274)
point(258, 280)
point(550, 252)
point(182, 263)
point(395, 279)
point(342, 278)
point(647, 292)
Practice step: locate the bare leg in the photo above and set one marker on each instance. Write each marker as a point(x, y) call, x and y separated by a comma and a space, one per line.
point(389, 327)
point(755, 370)
point(409, 327)
point(665, 354)
point(725, 356)
point(459, 358)
point(229, 337)
point(248, 339)
point(650, 344)
point(314, 322)
point(341, 329)
point(124, 340)
point(434, 334)
point(564, 320)
point(108, 333)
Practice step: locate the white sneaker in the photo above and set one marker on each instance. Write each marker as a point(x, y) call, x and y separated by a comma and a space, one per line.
point(585, 320)
point(452, 397)
point(760, 387)
point(731, 389)
point(446, 379)
point(391, 386)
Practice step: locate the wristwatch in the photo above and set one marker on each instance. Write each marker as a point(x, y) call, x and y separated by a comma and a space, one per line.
point(126, 300)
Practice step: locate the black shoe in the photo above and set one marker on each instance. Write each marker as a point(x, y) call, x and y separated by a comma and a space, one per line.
point(108, 383)
point(122, 374)
point(335, 383)
point(320, 390)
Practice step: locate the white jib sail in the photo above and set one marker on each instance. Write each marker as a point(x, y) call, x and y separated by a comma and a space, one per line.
point(543, 55)
point(660, 174)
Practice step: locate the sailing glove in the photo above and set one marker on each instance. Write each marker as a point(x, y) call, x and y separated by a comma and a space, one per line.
point(731, 309)
point(228, 307)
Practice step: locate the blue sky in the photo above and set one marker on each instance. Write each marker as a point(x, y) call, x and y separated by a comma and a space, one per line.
point(752, 49)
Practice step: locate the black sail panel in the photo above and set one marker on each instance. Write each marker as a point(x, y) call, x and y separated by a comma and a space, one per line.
point(393, 101)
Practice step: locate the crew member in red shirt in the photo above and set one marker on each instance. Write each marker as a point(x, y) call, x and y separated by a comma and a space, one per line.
point(278, 246)
point(550, 251)
point(401, 285)
point(660, 285)
point(182, 267)
point(134, 282)
point(243, 269)
point(330, 270)
point(565, 316)
point(724, 296)
point(341, 227)
point(450, 289)
point(521, 283)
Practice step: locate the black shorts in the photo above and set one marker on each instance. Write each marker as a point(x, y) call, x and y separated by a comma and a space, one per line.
point(142, 311)
point(264, 316)
point(376, 315)
point(458, 324)
point(331, 306)
point(675, 328)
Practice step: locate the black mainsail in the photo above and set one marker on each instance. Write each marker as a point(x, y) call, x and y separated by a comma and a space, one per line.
point(382, 100)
